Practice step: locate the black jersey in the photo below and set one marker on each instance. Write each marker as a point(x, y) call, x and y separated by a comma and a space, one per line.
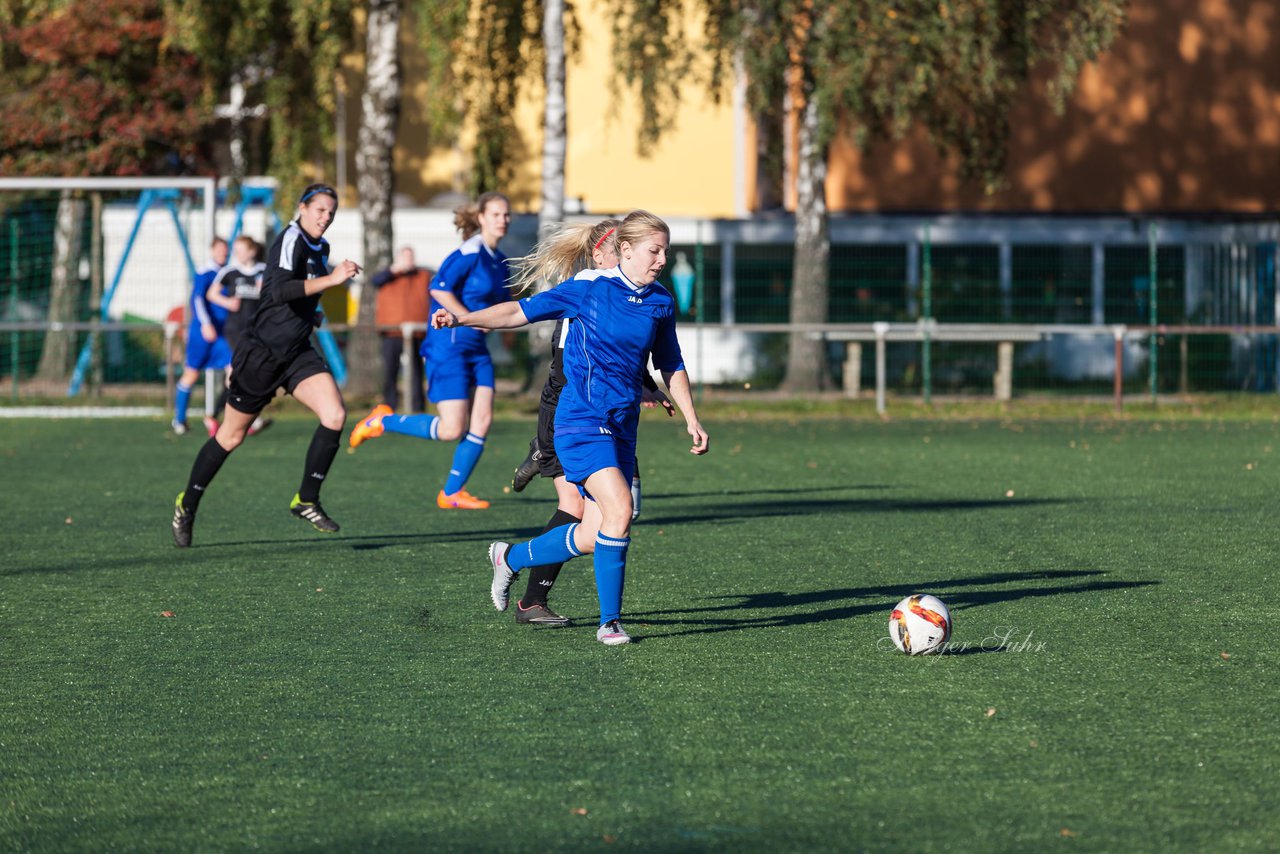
point(245, 285)
point(286, 316)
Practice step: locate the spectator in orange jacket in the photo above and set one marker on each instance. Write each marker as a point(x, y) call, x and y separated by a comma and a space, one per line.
point(402, 298)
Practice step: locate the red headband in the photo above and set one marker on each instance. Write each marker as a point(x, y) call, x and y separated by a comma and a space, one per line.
point(602, 239)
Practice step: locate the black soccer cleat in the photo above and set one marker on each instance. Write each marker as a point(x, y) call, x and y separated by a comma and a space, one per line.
point(527, 470)
point(539, 614)
point(312, 512)
point(183, 521)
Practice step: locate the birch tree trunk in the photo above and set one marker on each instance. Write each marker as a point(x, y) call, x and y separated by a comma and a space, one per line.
point(554, 147)
point(554, 123)
point(806, 358)
point(55, 357)
point(375, 182)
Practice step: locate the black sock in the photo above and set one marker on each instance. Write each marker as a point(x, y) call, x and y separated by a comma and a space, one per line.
point(542, 577)
point(208, 461)
point(324, 447)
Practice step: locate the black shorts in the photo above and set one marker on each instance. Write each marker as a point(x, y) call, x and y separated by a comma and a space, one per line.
point(256, 375)
point(548, 464)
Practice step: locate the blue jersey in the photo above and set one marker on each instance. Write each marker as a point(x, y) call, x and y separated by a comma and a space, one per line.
point(477, 276)
point(201, 310)
point(617, 327)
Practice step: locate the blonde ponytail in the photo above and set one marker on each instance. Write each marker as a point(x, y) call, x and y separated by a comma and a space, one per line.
point(561, 254)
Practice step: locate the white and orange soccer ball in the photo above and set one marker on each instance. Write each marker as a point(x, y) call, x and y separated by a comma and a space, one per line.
point(920, 624)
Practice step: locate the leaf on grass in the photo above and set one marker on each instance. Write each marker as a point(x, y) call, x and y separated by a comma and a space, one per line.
point(68, 520)
point(1035, 743)
point(1008, 493)
point(578, 811)
point(991, 713)
point(166, 613)
point(1066, 832)
point(609, 839)
point(1225, 655)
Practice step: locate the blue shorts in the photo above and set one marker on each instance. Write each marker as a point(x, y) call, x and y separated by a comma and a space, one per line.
point(584, 453)
point(455, 375)
point(206, 355)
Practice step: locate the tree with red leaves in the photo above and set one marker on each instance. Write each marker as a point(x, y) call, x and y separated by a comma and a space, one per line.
point(97, 89)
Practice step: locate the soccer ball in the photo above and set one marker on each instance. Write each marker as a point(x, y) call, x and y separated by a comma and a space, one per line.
point(920, 624)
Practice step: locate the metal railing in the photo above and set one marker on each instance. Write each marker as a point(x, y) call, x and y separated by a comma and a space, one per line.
point(1129, 345)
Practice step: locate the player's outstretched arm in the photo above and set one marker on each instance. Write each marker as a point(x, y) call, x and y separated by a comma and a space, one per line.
point(343, 272)
point(504, 315)
point(678, 387)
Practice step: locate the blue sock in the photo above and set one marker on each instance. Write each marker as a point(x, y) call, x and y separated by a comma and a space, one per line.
point(464, 462)
point(180, 402)
point(611, 572)
point(555, 546)
point(422, 426)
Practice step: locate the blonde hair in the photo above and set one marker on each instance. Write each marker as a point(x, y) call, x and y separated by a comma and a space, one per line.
point(562, 253)
point(466, 218)
point(638, 225)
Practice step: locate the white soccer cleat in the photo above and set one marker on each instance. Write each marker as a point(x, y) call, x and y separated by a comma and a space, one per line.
point(612, 633)
point(503, 577)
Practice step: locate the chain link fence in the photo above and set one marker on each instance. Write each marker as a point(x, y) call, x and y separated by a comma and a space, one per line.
point(972, 302)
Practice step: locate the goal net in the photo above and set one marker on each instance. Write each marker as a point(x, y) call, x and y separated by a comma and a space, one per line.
point(96, 276)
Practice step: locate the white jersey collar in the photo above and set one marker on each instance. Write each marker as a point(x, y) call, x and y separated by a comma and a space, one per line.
point(625, 279)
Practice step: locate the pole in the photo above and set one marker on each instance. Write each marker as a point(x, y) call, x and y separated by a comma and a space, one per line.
point(926, 349)
point(881, 329)
point(1118, 383)
point(407, 354)
point(171, 330)
point(700, 279)
point(1152, 290)
point(97, 372)
point(14, 269)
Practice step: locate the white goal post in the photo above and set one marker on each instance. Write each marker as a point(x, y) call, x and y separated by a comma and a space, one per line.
point(161, 272)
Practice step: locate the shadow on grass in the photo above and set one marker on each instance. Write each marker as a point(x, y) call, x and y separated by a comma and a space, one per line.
point(728, 511)
point(722, 512)
point(782, 609)
point(720, 493)
point(214, 549)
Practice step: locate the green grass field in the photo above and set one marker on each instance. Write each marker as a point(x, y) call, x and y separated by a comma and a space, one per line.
point(1115, 660)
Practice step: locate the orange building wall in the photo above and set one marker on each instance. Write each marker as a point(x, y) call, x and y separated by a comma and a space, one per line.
point(1181, 115)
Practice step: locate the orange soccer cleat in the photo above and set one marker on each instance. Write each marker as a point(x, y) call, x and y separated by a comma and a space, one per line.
point(370, 427)
point(460, 500)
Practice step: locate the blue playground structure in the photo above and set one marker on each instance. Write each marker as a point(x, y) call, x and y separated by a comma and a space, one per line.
point(249, 195)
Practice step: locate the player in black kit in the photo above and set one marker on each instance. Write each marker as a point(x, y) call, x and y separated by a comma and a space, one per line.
point(276, 352)
point(238, 288)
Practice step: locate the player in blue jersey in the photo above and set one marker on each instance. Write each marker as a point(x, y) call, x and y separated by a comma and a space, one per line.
point(276, 352)
point(206, 346)
point(557, 257)
point(622, 318)
point(459, 369)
